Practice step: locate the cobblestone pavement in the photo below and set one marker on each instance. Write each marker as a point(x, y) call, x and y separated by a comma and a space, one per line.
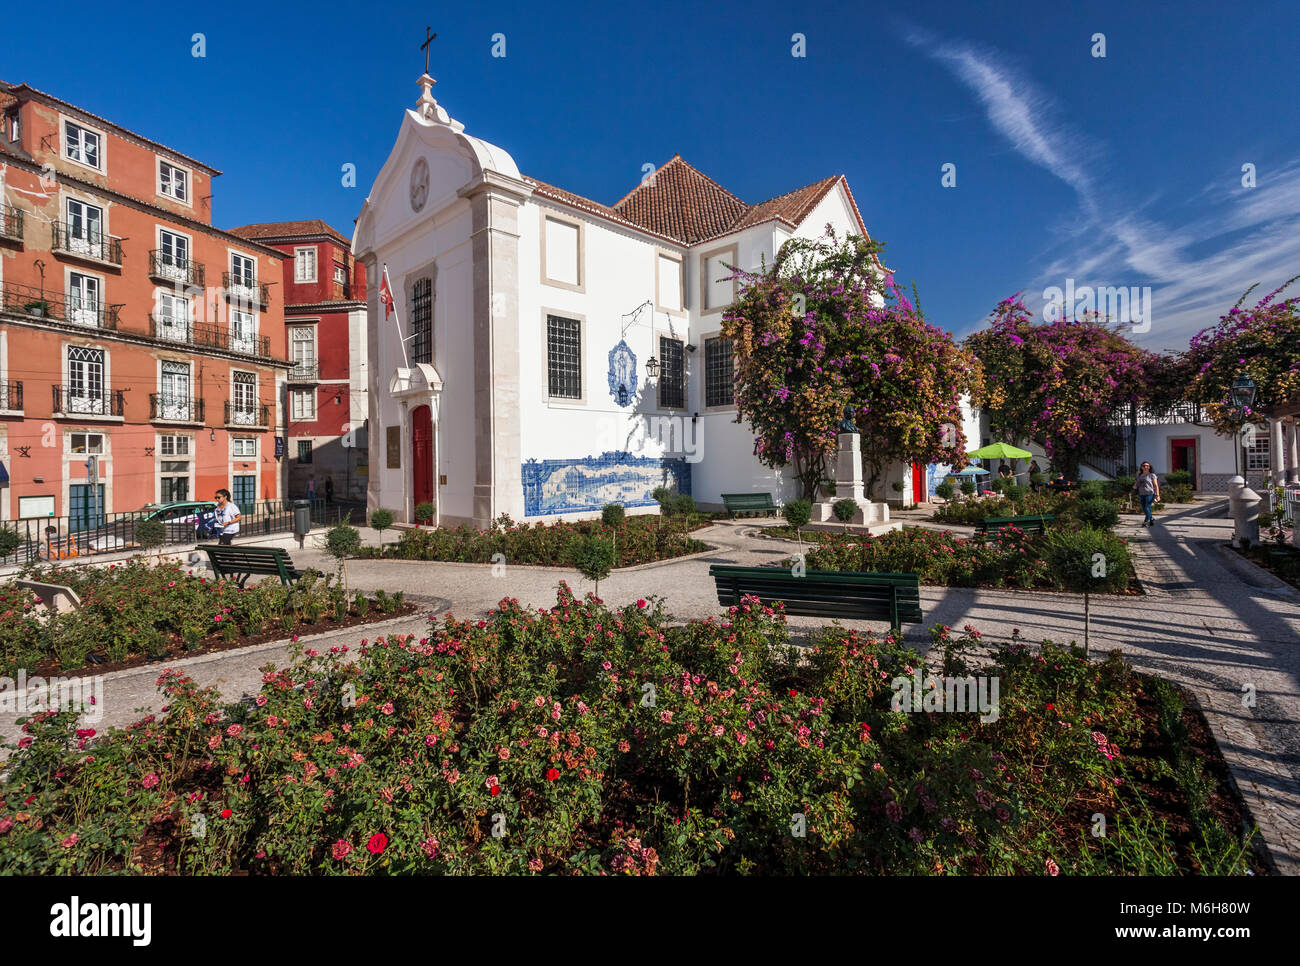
point(1209, 620)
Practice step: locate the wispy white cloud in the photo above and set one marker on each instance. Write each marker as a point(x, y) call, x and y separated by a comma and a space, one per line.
point(1197, 265)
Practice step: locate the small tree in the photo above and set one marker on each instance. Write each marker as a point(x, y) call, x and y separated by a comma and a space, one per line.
point(9, 541)
point(612, 514)
point(797, 513)
point(342, 541)
point(945, 490)
point(1085, 561)
point(424, 512)
point(380, 521)
point(593, 557)
point(845, 510)
point(150, 534)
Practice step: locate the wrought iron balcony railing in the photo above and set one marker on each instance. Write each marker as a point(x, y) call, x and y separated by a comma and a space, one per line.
point(32, 302)
point(84, 241)
point(166, 267)
point(173, 328)
point(11, 395)
point(254, 416)
point(11, 223)
point(304, 372)
point(166, 408)
point(242, 288)
point(83, 401)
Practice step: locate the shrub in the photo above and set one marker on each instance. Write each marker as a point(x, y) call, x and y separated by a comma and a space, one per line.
point(845, 509)
point(997, 484)
point(945, 490)
point(1092, 488)
point(968, 486)
point(1095, 511)
point(424, 512)
point(9, 540)
point(1177, 493)
point(1015, 492)
point(672, 503)
point(381, 520)
point(592, 556)
point(612, 514)
point(1178, 478)
point(797, 513)
point(1087, 561)
point(896, 486)
point(150, 534)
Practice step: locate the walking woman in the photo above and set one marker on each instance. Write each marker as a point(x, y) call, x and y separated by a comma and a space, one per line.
point(1148, 491)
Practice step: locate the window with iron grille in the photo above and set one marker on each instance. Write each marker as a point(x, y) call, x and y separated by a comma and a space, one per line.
point(304, 451)
point(719, 376)
point(422, 320)
point(1257, 452)
point(564, 357)
point(672, 374)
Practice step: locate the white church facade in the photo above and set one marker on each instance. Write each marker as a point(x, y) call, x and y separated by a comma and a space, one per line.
point(514, 374)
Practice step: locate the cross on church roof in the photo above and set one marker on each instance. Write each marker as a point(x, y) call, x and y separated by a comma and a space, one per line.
point(428, 39)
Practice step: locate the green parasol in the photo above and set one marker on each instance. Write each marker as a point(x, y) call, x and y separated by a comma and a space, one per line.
point(1003, 451)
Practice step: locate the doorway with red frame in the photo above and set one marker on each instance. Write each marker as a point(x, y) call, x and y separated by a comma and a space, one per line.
point(1182, 456)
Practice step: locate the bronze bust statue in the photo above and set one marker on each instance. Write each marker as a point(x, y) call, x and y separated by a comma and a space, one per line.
point(846, 424)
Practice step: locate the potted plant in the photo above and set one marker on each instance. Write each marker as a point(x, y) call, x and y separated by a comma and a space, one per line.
point(39, 308)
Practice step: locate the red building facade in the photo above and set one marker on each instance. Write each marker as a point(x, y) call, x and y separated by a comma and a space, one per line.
point(325, 341)
point(131, 329)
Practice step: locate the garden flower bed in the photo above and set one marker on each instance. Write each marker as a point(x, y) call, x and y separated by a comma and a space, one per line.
point(582, 740)
point(1280, 559)
point(635, 540)
point(1014, 559)
point(133, 613)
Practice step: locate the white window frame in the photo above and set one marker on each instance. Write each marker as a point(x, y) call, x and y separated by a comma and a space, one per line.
point(298, 411)
point(664, 253)
point(581, 286)
point(299, 275)
point(249, 339)
point(235, 401)
point(237, 441)
point(85, 313)
point(731, 255)
point(236, 273)
point(187, 196)
point(72, 450)
point(101, 143)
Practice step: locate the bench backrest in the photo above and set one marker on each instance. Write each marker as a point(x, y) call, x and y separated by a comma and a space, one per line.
point(747, 499)
point(825, 593)
point(1037, 520)
point(250, 560)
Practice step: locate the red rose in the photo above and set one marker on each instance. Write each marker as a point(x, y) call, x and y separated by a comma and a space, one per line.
point(226, 813)
point(641, 603)
point(794, 693)
point(495, 791)
point(378, 842)
point(552, 774)
point(1051, 707)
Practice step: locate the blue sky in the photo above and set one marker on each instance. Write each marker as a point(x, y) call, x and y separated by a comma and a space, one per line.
point(1122, 171)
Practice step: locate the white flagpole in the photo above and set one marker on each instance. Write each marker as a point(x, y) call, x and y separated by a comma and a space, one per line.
point(406, 363)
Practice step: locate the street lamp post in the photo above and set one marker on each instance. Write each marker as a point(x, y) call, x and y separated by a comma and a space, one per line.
point(1243, 397)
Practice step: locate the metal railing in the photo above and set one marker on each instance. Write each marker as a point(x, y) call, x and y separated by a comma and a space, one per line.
point(11, 395)
point(171, 328)
point(85, 242)
point(74, 400)
point(241, 288)
point(174, 409)
point(65, 540)
point(166, 266)
point(11, 223)
point(1284, 507)
point(1182, 412)
point(304, 372)
point(34, 303)
point(256, 417)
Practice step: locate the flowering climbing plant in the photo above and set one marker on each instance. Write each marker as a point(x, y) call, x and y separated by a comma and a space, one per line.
point(824, 329)
point(1059, 383)
point(1261, 341)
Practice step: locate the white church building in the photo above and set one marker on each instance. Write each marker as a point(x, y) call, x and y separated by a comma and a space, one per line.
point(549, 354)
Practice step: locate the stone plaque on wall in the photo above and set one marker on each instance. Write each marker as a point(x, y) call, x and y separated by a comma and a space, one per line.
point(394, 447)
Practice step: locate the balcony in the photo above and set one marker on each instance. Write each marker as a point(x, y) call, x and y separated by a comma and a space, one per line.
point(171, 328)
point(341, 291)
point(244, 290)
point(32, 302)
point(86, 242)
point(164, 408)
point(11, 223)
point(166, 267)
point(79, 401)
point(11, 396)
point(243, 416)
point(304, 372)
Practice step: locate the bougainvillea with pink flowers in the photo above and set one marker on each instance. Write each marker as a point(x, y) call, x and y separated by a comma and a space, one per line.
point(1058, 383)
point(824, 328)
point(1262, 342)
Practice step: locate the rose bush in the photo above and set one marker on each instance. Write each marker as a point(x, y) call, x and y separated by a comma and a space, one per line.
point(582, 740)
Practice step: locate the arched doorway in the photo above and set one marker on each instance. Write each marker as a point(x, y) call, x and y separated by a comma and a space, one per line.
point(421, 455)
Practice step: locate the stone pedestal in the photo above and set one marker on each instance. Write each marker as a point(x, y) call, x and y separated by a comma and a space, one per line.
point(848, 486)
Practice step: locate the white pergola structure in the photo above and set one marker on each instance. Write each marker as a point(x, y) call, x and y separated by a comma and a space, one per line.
point(1284, 443)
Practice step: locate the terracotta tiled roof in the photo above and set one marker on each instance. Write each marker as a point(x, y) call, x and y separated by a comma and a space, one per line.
point(265, 231)
point(686, 206)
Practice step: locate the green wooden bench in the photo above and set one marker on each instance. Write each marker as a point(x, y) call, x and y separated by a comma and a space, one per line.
point(833, 594)
point(749, 503)
point(244, 562)
point(993, 526)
